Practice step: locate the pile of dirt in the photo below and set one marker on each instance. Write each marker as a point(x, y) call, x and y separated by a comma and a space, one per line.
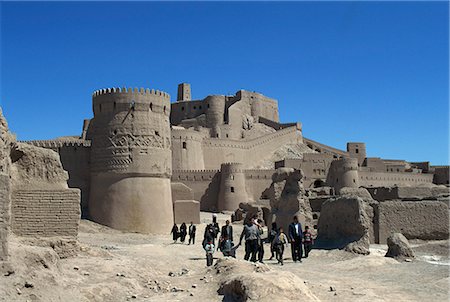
point(245, 281)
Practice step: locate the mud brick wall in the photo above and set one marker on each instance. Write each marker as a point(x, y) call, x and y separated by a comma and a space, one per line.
point(45, 212)
point(427, 220)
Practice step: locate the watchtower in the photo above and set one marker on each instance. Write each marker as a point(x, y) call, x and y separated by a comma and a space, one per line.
point(184, 92)
point(131, 160)
point(357, 150)
point(232, 187)
point(343, 173)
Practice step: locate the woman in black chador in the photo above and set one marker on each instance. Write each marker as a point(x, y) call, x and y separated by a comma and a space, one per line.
point(183, 232)
point(174, 233)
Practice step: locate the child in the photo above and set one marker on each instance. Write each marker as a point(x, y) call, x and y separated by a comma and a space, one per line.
point(272, 235)
point(308, 241)
point(279, 242)
point(226, 246)
point(208, 244)
point(209, 249)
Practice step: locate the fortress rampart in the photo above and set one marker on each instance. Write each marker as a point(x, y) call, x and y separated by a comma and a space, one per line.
point(250, 152)
point(127, 155)
point(321, 148)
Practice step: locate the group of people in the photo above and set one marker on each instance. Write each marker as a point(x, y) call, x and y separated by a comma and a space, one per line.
point(254, 243)
point(225, 241)
point(300, 240)
point(183, 231)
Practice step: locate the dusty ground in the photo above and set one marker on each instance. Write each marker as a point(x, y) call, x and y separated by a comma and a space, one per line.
point(116, 266)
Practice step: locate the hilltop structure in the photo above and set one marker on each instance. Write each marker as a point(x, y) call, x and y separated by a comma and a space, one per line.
point(133, 155)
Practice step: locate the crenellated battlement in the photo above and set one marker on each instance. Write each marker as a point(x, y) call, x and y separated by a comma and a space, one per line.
point(228, 168)
point(129, 90)
point(54, 144)
point(114, 100)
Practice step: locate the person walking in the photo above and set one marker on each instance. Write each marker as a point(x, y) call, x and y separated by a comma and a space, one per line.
point(260, 241)
point(183, 232)
point(278, 243)
point(208, 244)
point(251, 234)
point(192, 230)
point(215, 225)
point(272, 235)
point(226, 246)
point(227, 231)
point(295, 234)
point(174, 233)
point(308, 241)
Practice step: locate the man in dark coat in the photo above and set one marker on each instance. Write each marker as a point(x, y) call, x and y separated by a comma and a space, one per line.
point(215, 226)
point(192, 230)
point(227, 231)
point(295, 235)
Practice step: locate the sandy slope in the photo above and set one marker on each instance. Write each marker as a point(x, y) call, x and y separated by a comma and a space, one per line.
point(116, 266)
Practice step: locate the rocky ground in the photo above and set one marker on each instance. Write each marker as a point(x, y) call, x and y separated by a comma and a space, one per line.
point(116, 266)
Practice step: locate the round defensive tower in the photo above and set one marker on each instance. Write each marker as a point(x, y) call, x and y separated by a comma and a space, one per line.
point(187, 152)
point(131, 160)
point(344, 173)
point(215, 114)
point(232, 187)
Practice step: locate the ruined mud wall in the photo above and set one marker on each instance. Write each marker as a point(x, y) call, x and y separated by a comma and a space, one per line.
point(287, 197)
point(75, 158)
point(441, 175)
point(41, 202)
point(343, 221)
point(45, 212)
point(6, 142)
point(408, 193)
point(427, 220)
point(5, 204)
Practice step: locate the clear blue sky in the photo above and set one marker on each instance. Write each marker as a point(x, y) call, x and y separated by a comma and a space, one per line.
point(376, 72)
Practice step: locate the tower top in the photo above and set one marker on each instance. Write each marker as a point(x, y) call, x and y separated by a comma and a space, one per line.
point(184, 92)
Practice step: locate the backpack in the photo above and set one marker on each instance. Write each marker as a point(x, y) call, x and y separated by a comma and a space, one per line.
point(273, 234)
point(276, 240)
point(209, 248)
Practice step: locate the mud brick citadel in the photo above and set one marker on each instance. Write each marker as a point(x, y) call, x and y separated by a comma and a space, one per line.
point(143, 162)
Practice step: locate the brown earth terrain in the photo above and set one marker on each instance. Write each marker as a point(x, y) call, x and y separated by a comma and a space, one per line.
point(117, 266)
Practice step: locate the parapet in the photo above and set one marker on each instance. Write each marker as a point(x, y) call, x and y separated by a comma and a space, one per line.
point(144, 91)
point(111, 100)
point(346, 164)
point(232, 168)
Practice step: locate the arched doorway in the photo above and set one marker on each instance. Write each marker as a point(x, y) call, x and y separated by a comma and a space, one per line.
point(319, 183)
